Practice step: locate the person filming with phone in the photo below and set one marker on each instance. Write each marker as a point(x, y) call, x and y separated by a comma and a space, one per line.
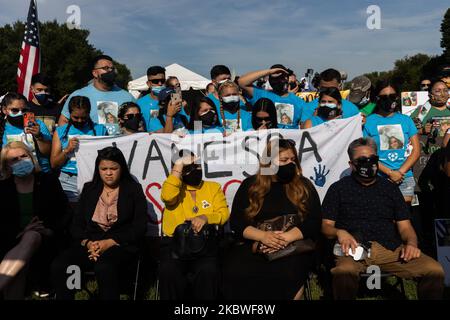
point(21, 125)
point(169, 119)
point(372, 207)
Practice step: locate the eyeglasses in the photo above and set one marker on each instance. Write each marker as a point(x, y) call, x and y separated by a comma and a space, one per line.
point(106, 68)
point(157, 81)
point(363, 160)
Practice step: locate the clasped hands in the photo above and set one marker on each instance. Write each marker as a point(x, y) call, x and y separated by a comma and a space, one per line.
point(96, 248)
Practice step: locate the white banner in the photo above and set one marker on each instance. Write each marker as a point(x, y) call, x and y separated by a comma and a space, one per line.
point(226, 160)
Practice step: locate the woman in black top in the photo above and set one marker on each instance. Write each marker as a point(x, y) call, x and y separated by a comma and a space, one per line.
point(249, 275)
point(107, 227)
point(33, 207)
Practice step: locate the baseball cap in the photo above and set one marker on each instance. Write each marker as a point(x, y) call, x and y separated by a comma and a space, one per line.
point(165, 93)
point(358, 88)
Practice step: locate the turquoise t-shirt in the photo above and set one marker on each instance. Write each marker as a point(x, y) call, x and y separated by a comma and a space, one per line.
point(13, 133)
point(392, 136)
point(178, 124)
point(289, 109)
point(104, 104)
point(315, 120)
point(348, 109)
point(150, 109)
point(71, 164)
point(231, 121)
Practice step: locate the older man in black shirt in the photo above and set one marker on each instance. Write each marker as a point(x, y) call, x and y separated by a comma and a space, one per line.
point(367, 209)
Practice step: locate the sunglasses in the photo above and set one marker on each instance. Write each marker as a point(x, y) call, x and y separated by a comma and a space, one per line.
point(17, 110)
point(134, 115)
point(261, 119)
point(391, 96)
point(191, 167)
point(156, 81)
point(366, 160)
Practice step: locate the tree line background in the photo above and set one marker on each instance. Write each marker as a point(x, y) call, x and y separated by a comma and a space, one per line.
point(66, 55)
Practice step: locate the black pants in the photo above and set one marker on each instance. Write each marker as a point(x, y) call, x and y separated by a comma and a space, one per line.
point(107, 270)
point(176, 276)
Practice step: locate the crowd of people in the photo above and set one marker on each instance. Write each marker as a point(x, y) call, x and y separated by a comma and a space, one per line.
point(399, 183)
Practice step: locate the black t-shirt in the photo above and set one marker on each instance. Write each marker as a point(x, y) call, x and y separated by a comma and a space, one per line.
point(369, 211)
point(276, 203)
point(48, 114)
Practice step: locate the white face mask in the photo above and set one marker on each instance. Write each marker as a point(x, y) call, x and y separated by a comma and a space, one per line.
point(230, 99)
point(18, 114)
point(329, 105)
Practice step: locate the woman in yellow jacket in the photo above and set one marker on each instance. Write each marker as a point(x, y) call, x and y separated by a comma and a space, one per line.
point(188, 198)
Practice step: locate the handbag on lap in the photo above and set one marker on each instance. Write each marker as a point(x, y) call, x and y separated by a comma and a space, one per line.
point(283, 223)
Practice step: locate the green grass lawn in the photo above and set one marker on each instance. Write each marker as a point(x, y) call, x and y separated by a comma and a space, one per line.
point(388, 291)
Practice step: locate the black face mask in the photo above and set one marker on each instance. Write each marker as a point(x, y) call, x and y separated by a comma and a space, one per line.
point(279, 87)
point(388, 103)
point(193, 177)
point(16, 121)
point(231, 107)
point(366, 168)
point(78, 125)
point(133, 124)
point(43, 98)
point(327, 112)
point(108, 78)
point(286, 173)
point(208, 119)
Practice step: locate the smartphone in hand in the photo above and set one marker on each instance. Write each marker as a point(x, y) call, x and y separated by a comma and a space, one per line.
point(29, 120)
point(176, 97)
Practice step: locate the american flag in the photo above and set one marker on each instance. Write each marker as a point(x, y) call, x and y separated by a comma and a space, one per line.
point(30, 60)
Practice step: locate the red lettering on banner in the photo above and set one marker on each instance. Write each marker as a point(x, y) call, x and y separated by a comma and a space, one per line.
point(153, 200)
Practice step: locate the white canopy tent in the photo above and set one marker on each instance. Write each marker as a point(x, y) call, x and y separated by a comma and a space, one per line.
point(188, 79)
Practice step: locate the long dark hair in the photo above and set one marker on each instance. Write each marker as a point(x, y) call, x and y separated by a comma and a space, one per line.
point(268, 106)
point(194, 112)
point(296, 191)
point(83, 103)
point(111, 154)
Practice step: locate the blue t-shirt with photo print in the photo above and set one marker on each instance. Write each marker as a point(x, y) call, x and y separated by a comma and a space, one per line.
point(100, 99)
point(231, 121)
point(13, 133)
point(392, 136)
point(70, 166)
point(348, 109)
point(289, 108)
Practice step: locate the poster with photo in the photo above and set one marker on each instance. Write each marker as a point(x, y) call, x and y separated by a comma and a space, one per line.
point(108, 115)
point(413, 99)
point(285, 113)
point(391, 137)
point(440, 125)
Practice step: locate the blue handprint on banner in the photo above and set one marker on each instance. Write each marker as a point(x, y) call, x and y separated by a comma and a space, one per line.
point(320, 178)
